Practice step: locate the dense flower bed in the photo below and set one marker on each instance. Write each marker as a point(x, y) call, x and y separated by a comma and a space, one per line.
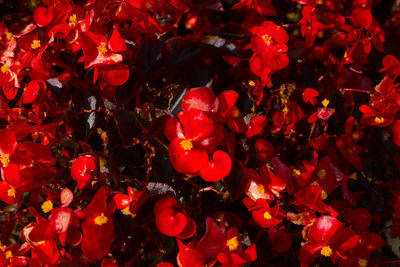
point(199, 133)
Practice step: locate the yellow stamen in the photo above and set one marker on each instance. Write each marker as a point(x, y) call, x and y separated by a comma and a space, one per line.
point(355, 136)
point(73, 19)
point(325, 102)
point(11, 192)
point(40, 243)
point(47, 206)
point(8, 254)
point(260, 189)
point(9, 35)
point(35, 44)
point(5, 159)
point(379, 120)
point(267, 215)
point(127, 212)
point(235, 113)
point(101, 48)
point(296, 172)
point(326, 251)
point(321, 173)
point(362, 262)
point(5, 68)
point(324, 195)
point(252, 83)
point(267, 39)
point(101, 219)
point(186, 144)
point(232, 243)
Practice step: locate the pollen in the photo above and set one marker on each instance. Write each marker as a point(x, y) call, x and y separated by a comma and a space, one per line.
point(72, 19)
point(127, 212)
point(186, 144)
point(5, 68)
point(252, 83)
point(9, 35)
point(40, 243)
point(326, 251)
point(232, 243)
point(267, 39)
point(362, 262)
point(260, 189)
point(235, 113)
point(47, 206)
point(11, 192)
point(267, 215)
point(101, 48)
point(325, 102)
point(5, 159)
point(321, 173)
point(324, 195)
point(379, 119)
point(101, 219)
point(296, 172)
point(8, 254)
point(35, 44)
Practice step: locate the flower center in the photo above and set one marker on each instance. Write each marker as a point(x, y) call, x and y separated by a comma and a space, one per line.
point(267, 39)
point(326, 251)
point(296, 172)
point(186, 144)
point(325, 103)
point(101, 48)
point(101, 219)
point(362, 262)
point(232, 243)
point(47, 206)
point(379, 120)
point(72, 19)
point(5, 159)
point(35, 44)
point(260, 189)
point(5, 68)
point(324, 195)
point(11, 192)
point(8, 254)
point(127, 212)
point(9, 35)
point(267, 215)
point(321, 173)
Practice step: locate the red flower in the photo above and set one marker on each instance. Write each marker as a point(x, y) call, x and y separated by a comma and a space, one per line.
point(268, 45)
point(97, 227)
point(327, 237)
point(170, 221)
point(83, 169)
point(263, 215)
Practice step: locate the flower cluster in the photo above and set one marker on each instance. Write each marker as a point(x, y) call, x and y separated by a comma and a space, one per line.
point(199, 133)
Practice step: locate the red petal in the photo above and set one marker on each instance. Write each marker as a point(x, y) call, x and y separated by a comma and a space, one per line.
point(8, 142)
point(200, 98)
point(117, 43)
point(196, 125)
point(186, 161)
point(122, 201)
point(31, 92)
point(168, 221)
point(324, 229)
point(83, 169)
point(10, 92)
point(396, 133)
point(217, 168)
point(66, 197)
point(310, 95)
point(115, 75)
point(43, 16)
point(264, 150)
